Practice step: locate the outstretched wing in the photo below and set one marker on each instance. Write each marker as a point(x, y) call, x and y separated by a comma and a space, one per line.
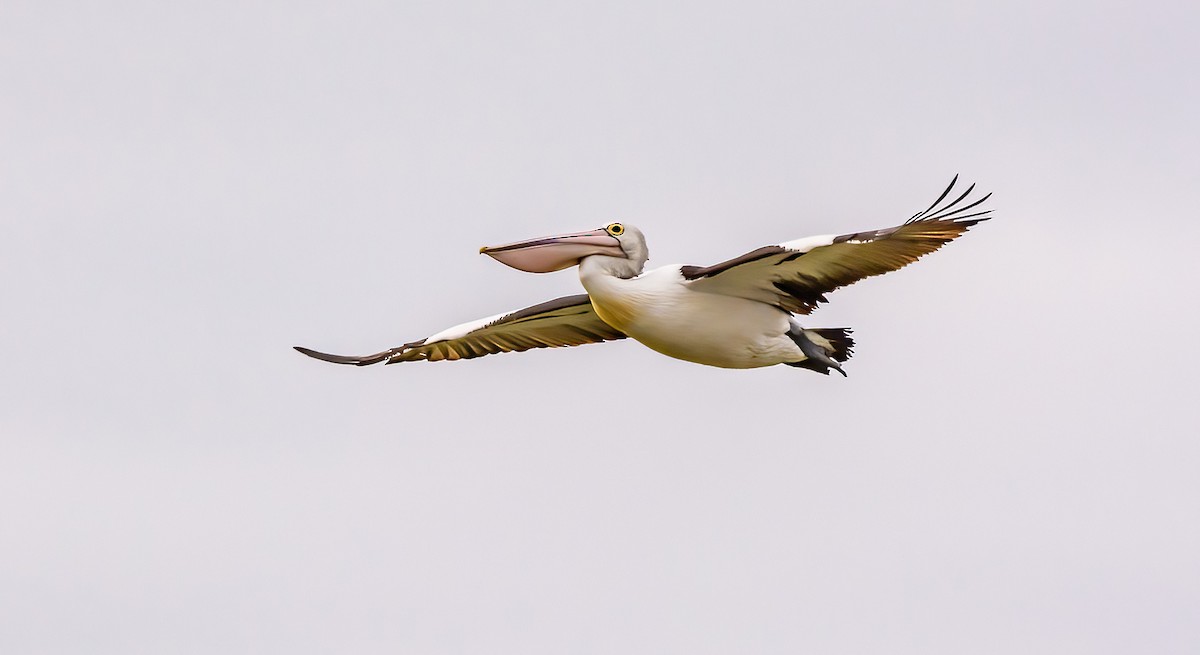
point(796, 275)
point(568, 321)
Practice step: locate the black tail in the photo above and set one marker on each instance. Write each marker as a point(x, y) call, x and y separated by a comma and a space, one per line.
point(840, 339)
point(822, 358)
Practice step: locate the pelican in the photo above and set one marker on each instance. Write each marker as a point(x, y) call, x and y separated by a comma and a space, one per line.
point(740, 313)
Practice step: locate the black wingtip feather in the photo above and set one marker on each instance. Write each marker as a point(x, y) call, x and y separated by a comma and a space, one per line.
point(343, 359)
point(939, 199)
point(943, 215)
point(938, 212)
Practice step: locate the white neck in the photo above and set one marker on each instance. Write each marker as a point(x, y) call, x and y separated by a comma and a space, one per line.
point(608, 281)
point(604, 265)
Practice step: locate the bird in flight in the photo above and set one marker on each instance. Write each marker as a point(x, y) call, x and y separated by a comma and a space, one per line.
point(740, 313)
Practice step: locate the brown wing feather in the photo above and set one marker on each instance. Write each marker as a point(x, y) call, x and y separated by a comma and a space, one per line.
point(568, 321)
point(797, 278)
point(857, 256)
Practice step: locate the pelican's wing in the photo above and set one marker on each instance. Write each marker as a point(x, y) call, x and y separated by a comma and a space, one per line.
point(568, 321)
point(796, 275)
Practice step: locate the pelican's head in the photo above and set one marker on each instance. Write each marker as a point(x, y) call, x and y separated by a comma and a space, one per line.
point(621, 247)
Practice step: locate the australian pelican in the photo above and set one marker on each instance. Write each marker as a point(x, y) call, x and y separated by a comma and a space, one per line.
point(736, 314)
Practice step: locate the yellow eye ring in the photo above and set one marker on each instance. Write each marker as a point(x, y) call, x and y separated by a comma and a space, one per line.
point(616, 229)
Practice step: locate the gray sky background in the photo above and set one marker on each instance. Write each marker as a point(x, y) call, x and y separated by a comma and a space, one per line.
point(188, 189)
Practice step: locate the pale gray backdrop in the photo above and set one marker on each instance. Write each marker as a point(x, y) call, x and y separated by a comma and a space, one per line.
point(187, 189)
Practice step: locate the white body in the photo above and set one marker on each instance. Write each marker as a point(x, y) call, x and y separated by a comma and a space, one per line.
point(658, 309)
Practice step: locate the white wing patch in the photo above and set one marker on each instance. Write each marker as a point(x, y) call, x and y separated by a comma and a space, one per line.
point(463, 329)
point(808, 243)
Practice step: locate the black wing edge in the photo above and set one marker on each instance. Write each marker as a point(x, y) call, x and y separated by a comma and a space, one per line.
point(690, 273)
point(364, 360)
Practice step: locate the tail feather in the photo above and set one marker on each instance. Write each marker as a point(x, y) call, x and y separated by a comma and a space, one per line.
point(825, 347)
point(840, 340)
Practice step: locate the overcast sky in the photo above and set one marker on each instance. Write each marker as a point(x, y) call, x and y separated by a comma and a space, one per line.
point(188, 189)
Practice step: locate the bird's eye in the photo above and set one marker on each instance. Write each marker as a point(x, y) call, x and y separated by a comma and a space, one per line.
point(616, 229)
